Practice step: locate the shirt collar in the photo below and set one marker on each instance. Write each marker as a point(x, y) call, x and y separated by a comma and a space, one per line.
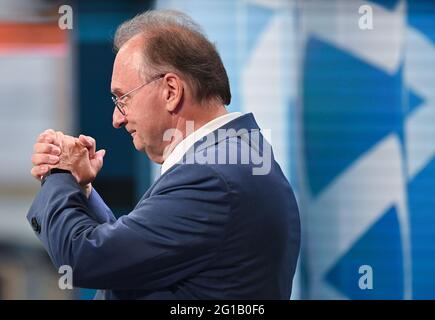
point(181, 148)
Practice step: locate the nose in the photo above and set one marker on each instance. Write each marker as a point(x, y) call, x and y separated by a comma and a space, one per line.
point(118, 119)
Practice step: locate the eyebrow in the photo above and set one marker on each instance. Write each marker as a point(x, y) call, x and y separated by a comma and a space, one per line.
point(117, 92)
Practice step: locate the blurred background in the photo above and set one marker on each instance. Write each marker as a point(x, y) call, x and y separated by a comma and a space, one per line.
point(346, 86)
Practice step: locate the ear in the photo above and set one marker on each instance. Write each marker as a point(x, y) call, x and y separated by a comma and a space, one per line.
point(173, 91)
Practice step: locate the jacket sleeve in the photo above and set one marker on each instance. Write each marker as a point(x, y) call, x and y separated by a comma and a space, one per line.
point(101, 211)
point(169, 236)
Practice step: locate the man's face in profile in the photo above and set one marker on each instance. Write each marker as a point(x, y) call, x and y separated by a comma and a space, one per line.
point(145, 116)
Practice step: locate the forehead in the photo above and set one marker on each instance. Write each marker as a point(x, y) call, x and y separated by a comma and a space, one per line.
point(126, 68)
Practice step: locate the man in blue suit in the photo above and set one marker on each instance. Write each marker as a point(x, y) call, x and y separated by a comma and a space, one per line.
point(221, 222)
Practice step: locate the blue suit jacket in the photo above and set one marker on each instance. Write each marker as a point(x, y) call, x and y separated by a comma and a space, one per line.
point(201, 231)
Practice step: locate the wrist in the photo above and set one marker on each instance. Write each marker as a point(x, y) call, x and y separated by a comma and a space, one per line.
point(53, 171)
point(87, 189)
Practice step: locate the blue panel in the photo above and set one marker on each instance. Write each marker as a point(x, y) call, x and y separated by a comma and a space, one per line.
point(87, 294)
point(414, 101)
point(388, 4)
point(380, 248)
point(421, 15)
point(422, 205)
point(103, 31)
point(349, 106)
point(97, 20)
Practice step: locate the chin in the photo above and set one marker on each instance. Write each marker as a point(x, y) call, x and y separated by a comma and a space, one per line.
point(152, 155)
point(138, 147)
point(156, 159)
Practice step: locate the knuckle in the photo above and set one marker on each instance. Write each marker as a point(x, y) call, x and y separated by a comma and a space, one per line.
point(56, 150)
point(47, 139)
point(52, 159)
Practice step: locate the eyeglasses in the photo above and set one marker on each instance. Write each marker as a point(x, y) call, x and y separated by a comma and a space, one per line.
point(121, 105)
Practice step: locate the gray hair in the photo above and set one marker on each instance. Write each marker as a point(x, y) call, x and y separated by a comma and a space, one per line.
point(153, 19)
point(174, 42)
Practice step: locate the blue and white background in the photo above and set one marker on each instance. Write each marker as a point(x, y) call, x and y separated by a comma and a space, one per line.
point(352, 114)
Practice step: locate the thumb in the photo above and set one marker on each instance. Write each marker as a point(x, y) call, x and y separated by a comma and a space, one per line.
point(97, 161)
point(100, 154)
point(87, 142)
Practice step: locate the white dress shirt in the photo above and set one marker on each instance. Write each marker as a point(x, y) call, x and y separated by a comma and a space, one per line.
point(181, 148)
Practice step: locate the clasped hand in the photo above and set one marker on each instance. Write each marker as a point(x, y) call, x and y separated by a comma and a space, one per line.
point(53, 149)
